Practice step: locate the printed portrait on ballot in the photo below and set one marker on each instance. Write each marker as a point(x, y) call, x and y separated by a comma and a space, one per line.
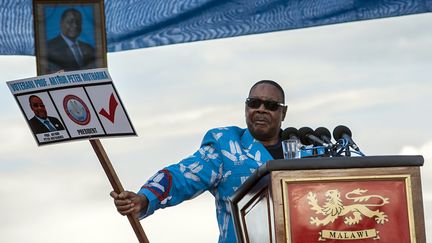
point(41, 114)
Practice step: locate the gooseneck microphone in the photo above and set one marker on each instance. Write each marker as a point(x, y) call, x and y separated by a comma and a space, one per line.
point(290, 133)
point(318, 142)
point(343, 132)
point(308, 136)
point(324, 134)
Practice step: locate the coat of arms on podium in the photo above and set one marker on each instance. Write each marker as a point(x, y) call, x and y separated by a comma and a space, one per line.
point(355, 209)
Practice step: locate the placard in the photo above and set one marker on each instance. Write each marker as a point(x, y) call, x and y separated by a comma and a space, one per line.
point(72, 105)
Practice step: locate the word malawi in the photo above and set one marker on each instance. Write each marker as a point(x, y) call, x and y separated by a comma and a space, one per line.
point(349, 235)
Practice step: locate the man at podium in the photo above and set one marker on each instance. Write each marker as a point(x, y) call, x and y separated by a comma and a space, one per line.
point(226, 158)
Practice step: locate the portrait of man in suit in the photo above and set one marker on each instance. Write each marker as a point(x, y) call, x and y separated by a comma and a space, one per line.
point(67, 51)
point(69, 35)
point(41, 122)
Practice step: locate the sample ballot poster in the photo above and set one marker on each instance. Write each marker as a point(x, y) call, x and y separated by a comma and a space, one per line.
point(71, 105)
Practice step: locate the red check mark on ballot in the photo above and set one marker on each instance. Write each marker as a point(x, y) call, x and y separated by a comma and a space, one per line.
point(112, 108)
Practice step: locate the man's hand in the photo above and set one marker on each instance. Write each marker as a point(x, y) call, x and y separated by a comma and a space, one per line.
point(129, 203)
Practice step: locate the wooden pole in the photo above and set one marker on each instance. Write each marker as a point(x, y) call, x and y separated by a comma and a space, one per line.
point(115, 183)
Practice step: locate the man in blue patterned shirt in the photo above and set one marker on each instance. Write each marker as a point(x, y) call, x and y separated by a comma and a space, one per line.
point(226, 158)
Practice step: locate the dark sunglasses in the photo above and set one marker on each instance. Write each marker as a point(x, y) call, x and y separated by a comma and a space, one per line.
point(270, 105)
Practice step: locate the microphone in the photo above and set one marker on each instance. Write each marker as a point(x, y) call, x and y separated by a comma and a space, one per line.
point(324, 134)
point(343, 132)
point(308, 136)
point(290, 133)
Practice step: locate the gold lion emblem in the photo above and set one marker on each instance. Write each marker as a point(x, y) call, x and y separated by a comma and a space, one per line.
point(334, 208)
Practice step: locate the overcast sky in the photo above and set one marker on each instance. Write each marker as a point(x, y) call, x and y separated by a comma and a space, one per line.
point(372, 76)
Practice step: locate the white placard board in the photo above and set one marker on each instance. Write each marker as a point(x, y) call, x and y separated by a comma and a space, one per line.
point(73, 105)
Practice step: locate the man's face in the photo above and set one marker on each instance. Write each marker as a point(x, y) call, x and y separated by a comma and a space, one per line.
point(71, 25)
point(38, 107)
point(265, 124)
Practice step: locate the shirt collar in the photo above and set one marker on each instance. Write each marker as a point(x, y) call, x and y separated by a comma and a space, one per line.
point(68, 41)
point(254, 148)
point(42, 120)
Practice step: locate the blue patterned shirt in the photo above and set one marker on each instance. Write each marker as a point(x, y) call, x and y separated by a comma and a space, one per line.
point(226, 158)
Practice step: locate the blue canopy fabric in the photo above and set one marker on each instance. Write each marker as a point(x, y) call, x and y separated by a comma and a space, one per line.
point(132, 24)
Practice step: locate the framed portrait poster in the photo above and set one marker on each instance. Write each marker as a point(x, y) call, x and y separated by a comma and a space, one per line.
point(69, 35)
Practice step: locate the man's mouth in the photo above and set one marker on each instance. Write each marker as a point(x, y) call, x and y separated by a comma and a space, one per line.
point(261, 121)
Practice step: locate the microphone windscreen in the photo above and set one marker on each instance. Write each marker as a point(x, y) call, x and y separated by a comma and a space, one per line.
point(322, 131)
point(303, 132)
point(290, 132)
point(340, 130)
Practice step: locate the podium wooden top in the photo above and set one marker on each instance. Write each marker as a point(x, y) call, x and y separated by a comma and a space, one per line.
point(327, 163)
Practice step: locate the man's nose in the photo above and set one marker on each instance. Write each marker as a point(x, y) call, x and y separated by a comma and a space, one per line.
point(261, 109)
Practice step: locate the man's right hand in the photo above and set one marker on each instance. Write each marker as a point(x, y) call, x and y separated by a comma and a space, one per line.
point(129, 203)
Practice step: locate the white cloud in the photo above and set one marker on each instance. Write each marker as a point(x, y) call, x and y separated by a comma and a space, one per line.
point(73, 205)
point(426, 170)
point(372, 75)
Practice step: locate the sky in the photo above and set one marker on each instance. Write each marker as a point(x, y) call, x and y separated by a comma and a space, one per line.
point(371, 76)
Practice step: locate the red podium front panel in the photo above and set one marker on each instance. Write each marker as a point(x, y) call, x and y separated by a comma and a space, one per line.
point(361, 209)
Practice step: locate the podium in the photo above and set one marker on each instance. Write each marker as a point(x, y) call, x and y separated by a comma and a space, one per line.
point(332, 199)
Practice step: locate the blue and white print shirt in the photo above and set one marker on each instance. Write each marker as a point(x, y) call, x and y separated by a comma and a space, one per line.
point(226, 158)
